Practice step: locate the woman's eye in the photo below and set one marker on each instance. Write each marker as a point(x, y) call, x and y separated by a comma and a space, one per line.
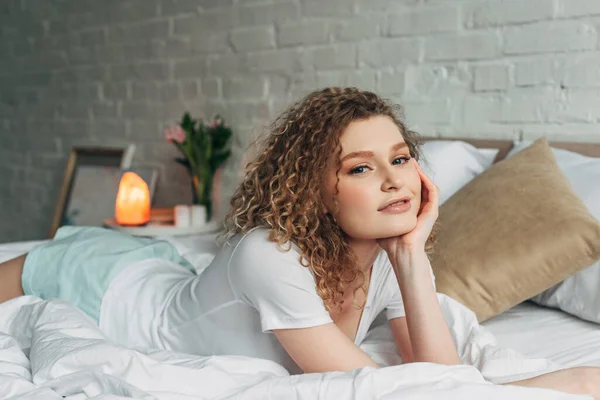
point(400, 160)
point(359, 170)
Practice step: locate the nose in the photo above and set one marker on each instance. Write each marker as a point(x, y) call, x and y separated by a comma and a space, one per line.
point(392, 179)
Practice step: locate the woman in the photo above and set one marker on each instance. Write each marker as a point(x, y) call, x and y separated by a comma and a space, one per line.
point(329, 227)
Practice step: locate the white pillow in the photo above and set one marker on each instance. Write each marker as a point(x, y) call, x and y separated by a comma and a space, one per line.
point(451, 164)
point(578, 295)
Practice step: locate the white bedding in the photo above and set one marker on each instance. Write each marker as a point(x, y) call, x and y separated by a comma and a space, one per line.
point(49, 349)
point(537, 331)
point(15, 249)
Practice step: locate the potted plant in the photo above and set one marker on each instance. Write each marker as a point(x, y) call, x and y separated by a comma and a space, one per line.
point(204, 148)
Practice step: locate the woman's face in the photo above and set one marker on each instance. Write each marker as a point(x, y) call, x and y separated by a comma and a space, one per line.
point(379, 188)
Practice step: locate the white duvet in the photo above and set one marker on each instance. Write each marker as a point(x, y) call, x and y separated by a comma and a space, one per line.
point(50, 350)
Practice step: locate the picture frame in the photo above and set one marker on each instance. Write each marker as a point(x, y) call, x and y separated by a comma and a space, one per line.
point(90, 184)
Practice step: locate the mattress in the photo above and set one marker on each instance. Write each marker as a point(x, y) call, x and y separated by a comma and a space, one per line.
point(541, 332)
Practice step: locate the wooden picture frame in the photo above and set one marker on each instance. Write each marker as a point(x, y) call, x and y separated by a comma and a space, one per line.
point(107, 163)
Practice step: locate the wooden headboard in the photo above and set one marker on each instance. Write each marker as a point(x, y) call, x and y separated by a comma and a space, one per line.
point(504, 146)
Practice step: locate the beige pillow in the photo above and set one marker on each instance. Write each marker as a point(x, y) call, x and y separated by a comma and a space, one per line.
point(512, 232)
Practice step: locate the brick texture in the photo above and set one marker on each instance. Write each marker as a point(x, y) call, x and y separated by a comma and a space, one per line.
point(114, 72)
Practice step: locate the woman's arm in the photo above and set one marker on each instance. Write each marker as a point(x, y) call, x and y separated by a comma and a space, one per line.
point(402, 339)
point(426, 329)
point(322, 348)
point(428, 334)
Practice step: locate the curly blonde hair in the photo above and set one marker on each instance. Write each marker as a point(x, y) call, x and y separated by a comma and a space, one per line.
point(281, 190)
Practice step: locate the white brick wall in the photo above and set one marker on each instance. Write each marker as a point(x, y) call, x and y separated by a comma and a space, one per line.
point(111, 72)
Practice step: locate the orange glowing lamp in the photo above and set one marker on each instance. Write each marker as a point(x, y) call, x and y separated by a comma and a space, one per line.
point(133, 201)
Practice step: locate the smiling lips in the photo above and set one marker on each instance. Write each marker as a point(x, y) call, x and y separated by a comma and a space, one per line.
point(396, 206)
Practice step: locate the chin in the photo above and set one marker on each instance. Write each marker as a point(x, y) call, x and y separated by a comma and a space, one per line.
point(390, 227)
point(397, 226)
point(388, 233)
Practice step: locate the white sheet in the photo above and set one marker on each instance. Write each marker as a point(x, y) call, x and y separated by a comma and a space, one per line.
point(49, 349)
point(537, 331)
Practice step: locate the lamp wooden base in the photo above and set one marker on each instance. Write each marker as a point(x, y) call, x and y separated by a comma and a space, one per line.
point(162, 224)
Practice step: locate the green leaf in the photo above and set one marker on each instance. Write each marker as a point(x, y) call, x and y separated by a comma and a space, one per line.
point(187, 124)
point(187, 120)
point(205, 148)
point(220, 136)
point(184, 162)
point(219, 158)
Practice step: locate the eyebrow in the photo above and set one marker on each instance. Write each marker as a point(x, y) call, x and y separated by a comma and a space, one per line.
point(367, 154)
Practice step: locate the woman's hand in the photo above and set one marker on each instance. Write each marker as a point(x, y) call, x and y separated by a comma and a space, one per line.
point(413, 242)
point(424, 325)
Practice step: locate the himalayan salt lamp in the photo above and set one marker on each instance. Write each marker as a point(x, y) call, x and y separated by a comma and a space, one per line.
point(133, 201)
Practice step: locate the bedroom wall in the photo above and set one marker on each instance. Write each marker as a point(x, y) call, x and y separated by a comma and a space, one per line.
point(111, 72)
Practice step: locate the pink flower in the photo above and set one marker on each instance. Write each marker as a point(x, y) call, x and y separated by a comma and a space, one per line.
point(175, 134)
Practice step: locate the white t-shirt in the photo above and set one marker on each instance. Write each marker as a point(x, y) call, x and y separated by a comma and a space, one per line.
point(250, 288)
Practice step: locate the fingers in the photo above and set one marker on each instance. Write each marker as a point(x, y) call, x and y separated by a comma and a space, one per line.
point(431, 191)
point(425, 178)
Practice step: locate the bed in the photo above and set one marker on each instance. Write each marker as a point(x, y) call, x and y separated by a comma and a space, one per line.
point(538, 331)
point(50, 350)
point(542, 332)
